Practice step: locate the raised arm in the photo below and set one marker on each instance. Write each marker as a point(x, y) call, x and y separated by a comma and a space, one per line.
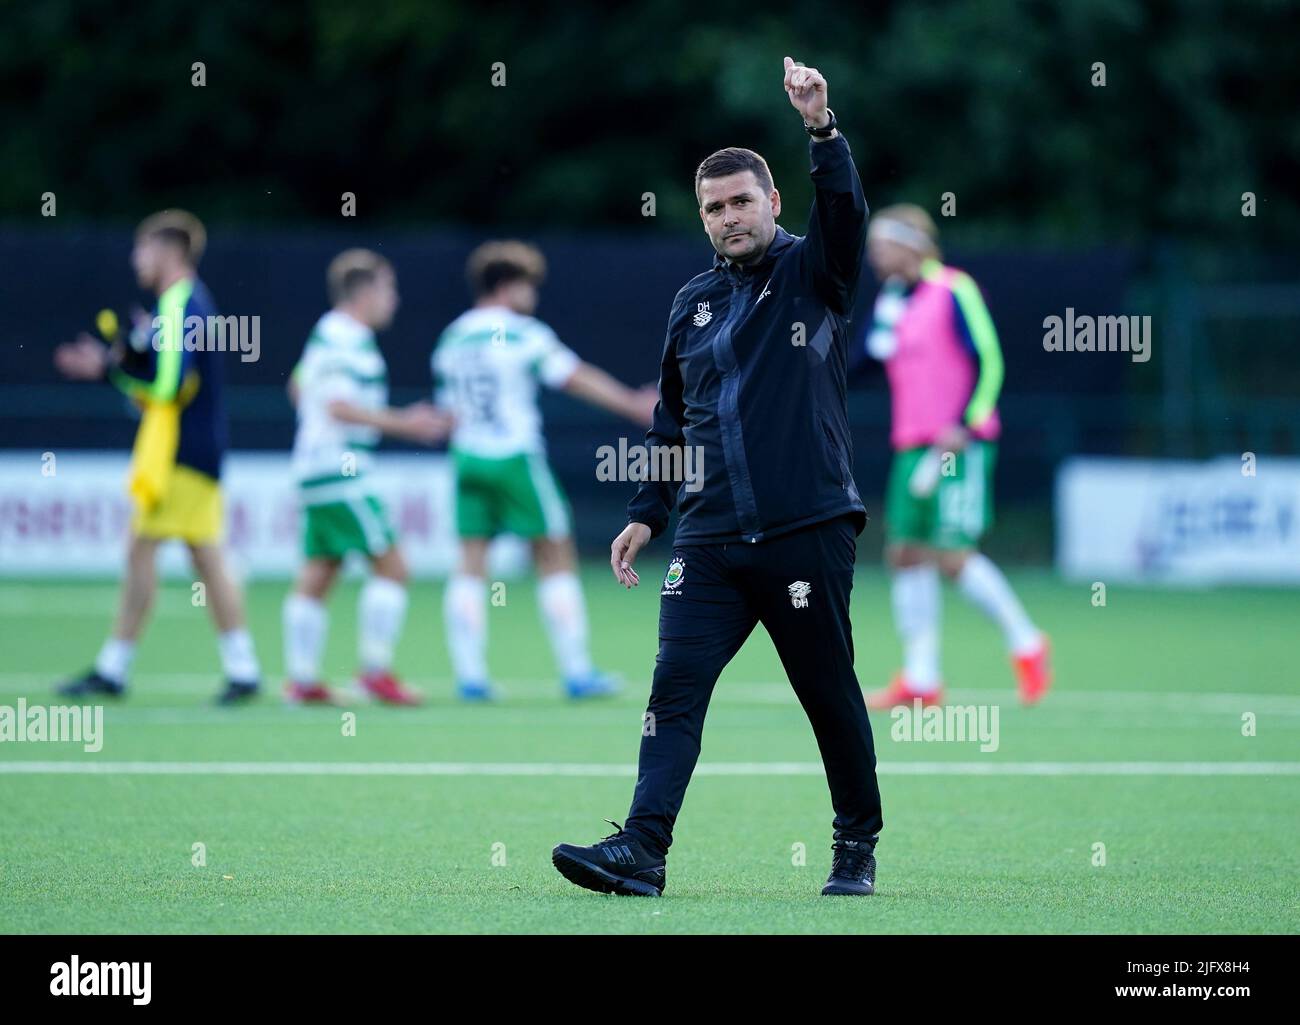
point(837, 228)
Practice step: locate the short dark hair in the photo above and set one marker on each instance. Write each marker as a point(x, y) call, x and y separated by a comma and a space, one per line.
point(733, 160)
point(351, 271)
point(496, 263)
point(178, 228)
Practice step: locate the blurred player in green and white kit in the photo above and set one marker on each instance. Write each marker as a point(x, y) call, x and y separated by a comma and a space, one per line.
point(340, 387)
point(486, 366)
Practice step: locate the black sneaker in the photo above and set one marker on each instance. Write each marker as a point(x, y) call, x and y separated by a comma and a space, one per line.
point(617, 864)
point(238, 691)
point(853, 869)
point(91, 683)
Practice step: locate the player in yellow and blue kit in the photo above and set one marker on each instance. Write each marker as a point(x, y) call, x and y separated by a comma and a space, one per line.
point(170, 367)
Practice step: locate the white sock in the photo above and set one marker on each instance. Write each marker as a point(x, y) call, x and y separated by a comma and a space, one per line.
point(114, 659)
point(380, 615)
point(916, 598)
point(564, 612)
point(306, 622)
point(464, 607)
point(986, 587)
point(238, 660)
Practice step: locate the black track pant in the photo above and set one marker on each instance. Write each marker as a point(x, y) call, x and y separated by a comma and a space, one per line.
point(797, 585)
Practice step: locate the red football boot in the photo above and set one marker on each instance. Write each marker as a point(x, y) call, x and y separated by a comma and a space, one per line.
point(308, 694)
point(1034, 673)
point(900, 692)
point(384, 686)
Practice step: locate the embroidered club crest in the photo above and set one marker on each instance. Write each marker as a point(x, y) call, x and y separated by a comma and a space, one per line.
point(673, 578)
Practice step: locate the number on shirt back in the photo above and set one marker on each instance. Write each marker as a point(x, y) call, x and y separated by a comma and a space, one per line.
point(478, 393)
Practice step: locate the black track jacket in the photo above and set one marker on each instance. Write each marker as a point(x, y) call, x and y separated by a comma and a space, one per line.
point(753, 376)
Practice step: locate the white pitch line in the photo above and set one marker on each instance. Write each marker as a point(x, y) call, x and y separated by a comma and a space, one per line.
point(538, 715)
point(1231, 702)
point(989, 768)
point(198, 685)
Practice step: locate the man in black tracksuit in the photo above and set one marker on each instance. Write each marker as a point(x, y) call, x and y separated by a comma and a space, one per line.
point(753, 379)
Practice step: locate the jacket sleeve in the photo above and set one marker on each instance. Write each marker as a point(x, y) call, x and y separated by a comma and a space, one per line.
point(837, 228)
point(977, 326)
point(654, 500)
point(154, 371)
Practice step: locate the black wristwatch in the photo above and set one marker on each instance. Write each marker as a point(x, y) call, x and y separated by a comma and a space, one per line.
point(827, 130)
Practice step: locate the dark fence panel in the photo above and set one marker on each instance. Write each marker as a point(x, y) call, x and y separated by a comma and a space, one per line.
point(607, 296)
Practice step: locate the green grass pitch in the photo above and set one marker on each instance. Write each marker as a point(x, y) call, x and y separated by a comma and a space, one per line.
point(1152, 677)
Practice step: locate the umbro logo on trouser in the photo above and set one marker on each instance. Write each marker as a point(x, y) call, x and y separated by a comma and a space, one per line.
point(620, 855)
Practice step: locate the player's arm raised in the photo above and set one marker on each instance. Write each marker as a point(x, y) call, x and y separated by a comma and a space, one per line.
point(837, 229)
point(806, 88)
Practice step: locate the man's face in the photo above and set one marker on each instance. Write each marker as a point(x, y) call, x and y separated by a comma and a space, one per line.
point(146, 260)
point(381, 299)
point(739, 217)
point(888, 258)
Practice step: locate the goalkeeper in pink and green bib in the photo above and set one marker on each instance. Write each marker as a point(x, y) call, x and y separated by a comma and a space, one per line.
point(933, 333)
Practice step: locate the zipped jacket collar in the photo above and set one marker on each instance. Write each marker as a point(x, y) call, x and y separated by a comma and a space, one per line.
point(781, 241)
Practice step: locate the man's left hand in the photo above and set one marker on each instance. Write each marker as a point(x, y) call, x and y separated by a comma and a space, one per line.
point(807, 91)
